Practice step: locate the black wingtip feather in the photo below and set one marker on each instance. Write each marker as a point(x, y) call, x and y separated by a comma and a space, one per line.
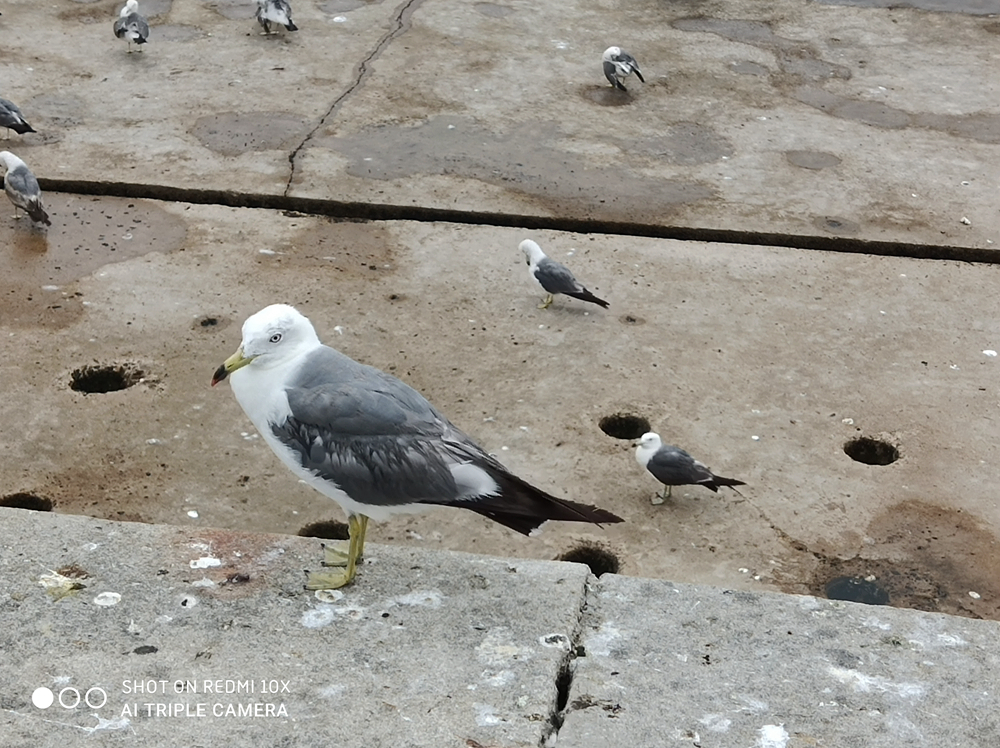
point(588, 296)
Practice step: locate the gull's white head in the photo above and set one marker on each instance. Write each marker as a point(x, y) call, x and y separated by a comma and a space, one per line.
point(649, 444)
point(131, 6)
point(10, 160)
point(611, 52)
point(532, 252)
point(273, 336)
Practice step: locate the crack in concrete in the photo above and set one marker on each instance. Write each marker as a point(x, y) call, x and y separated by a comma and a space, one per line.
point(564, 675)
point(401, 24)
point(353, 211)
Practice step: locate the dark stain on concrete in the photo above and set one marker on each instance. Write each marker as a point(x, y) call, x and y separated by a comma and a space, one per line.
point(493, 10)
point(836, 225)
point(236, 133)
point(335, 7)
point(745, 67)
point(451, 145)
point(925, 557)
point(39, 267)
point(235, 10)
point(177, 32)
point(969, 7)
point(335, 249)
point(687, 144)
point(605, 95)
point(815, 160)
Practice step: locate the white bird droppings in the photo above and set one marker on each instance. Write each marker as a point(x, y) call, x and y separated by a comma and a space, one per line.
point(974, 595)
point(424, 598)
point(328, 596)
point(318, 617)
point(204, 562)
point(773, 736)
point(990, 353)
point(107, 599)
point(192, 513)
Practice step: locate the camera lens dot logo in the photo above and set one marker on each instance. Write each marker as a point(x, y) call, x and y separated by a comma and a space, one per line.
point(42, 697)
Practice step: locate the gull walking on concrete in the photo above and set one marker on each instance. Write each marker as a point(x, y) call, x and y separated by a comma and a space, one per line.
point(12, 119)
point(672, 466)
point(130, 26)
point(554, 277)
point(275, 11)
point(368, 441)
point(22, 188)
point(619, 64)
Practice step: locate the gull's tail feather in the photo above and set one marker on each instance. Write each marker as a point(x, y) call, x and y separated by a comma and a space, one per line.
point(20, 127)
point(586, 295)
point(38, 214)
point(638, 74)
point(291, 26)
point(522, 507)
point(718, 480)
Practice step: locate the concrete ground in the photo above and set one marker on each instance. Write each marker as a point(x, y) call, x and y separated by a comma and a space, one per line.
point(817, 124)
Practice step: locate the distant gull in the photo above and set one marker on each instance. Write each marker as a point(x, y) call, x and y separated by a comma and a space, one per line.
point(619, 64)
point(368, 441)
point(672, 466)
point(130, 26)
point(22, 188)
point(275, 11)
point(12, 119)
point(554, 277)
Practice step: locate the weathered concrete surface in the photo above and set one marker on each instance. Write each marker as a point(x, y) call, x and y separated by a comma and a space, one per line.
point(447, 649)
point(427, 649)
point(791, 116)
point(713, 344)
point(672, 664)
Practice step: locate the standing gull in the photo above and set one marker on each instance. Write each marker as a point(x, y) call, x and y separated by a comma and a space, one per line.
point(618, 65)
point(275, 11)
point(22, 188)
point(672, 466)
point(130, 26)
point(368, 441)
point(554, 277)
point(12, 119)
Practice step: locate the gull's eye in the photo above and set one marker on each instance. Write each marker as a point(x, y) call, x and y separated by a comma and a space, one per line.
point(276, 338)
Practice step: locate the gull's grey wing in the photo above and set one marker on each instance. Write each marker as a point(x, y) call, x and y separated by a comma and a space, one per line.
point(21, 186)
point(377, 438)
point(555, 277)
point(135, 24)
point(12, 118)
point(673, 466)
point(611, 73)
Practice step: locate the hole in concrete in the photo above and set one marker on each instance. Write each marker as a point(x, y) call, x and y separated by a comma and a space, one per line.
point(856, 590)
point(624, 426)
point(92, 379)
point(631, 319)
point(329, 530)
point(600, 560)
point(208, 322)
point(27, 501)
point(871, 451)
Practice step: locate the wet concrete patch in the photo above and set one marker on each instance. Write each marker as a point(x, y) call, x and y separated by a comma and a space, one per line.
point(335, 249)
point(334, 7)
point(745, 67)
point(969, 7)
point(605, 95)
point(236, 133)
point(38, 268)
point(177, 32)
point(812, 159)
point(836, 225)
point(234, 10)
point(686, 143)
point(451, 145)
point(493, 10)
point(57, 109)
point(924, 557)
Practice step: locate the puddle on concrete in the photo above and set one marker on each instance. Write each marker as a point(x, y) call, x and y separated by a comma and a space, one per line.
point(236, 133)
point(57, 109)
point(969, 7)
point(745, 67)
point(451, 145)
point(38, 268)
point(812, 159)
point(493, 10)
point(605, 95)
point(687, 144)
point(94, 11)
point(339, 250)
point(927, 558)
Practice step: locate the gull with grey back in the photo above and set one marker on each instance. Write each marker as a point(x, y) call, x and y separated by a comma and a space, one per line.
point(619, 64)
point(554, 277)
point(131, 26)
point(12, 119)
point(672, 466)
point(275, 11)
point(22, 188)
point(368, 441)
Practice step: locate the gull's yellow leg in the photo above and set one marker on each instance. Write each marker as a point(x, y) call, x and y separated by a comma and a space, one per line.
point(331, 580)
point(547, 303)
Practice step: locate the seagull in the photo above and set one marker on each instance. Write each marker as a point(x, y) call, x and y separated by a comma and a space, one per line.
point(22, 188)
point(12, 119)
point(619, 64)
point(275, 11)
point(554, 277)
point(368, 441)
point(130, 26)
point(672, 466)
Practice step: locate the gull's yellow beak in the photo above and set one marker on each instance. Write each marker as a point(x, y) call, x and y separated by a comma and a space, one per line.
point(231, 364)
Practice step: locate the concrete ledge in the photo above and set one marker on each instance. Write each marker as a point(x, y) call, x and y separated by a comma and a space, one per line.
point(205, 637)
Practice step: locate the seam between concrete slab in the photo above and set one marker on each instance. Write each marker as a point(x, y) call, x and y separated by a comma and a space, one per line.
point(401, 24)
point(352, 211)
point(564, 675)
